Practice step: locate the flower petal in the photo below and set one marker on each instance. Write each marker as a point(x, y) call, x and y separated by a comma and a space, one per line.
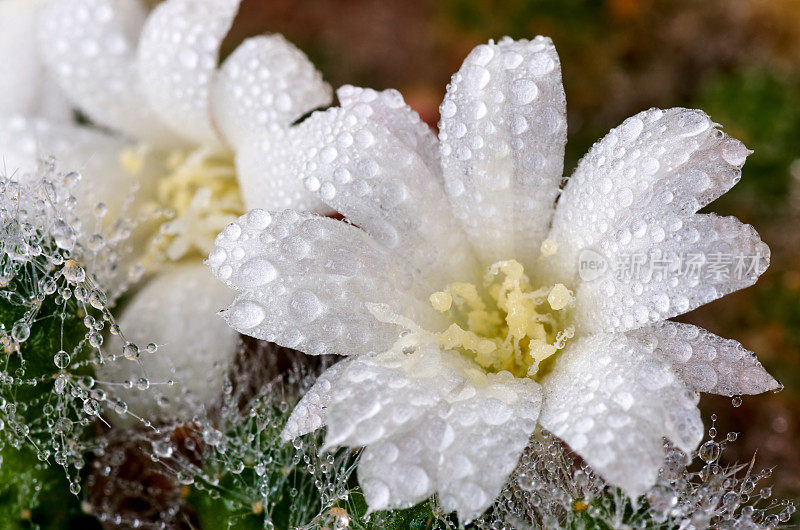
point(18, 55)
point(177, 61)
point(669, 266)
point(388, 108)
point(267, 178)
point(305, 281)
point(265, 85)
point(707, 362)
point(656, 163)
point(88, 46)
point(310, 412)
point(483, 454)
point(25, 88)
point(503, 132)
point(431, 422)
point(383, 181)
point(612, 402)
point(177, 311)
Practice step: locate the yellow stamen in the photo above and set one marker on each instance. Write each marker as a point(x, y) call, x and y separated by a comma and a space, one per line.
point(548, 248)
point(132, 160)
point(559, 297)
point(515, 331)
point(199, 194)
point(441, 301)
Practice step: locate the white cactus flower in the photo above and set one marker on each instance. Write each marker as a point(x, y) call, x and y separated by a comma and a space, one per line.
point(25, 87)
point(456, 288)
point(184, 131)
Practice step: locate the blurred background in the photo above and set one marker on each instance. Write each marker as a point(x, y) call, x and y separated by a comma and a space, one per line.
point(739, 60)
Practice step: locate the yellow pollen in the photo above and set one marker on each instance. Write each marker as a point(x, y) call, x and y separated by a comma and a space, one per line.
point(507, 325)
point(559, 297)
point(198, 196)
point(549, 247)
point(132, 160)
point(441, 301)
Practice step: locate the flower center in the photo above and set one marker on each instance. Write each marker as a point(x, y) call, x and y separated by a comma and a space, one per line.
point(510, 324)
point(198, 196)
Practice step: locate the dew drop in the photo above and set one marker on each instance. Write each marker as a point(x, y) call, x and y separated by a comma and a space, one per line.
point(61, 359)
point(304, 306)
point(256, 272)
point(523, 91)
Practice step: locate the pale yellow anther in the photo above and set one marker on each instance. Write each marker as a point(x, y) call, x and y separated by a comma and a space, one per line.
point(540, 350)
point(559, 297)
point(486, 346)
point(441, 301)
point(515, 330)
point(468, 293)
point(549, 247)
point(520, 313)
point(131, 161)
point(201, 192)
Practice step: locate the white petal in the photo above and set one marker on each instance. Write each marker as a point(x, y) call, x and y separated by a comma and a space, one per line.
point(24, 142)
point(668, 267)
point(503, 132)
point(177, 311)
point(388, 109)
point(25, 88)
point(399, 472)
point(656, 163)
point(88, 46)
point(267, 178)
point(310, 412)
point(432, 422)
point(177, 61)
point(18, 55)
point(612, 401)
point(372, 175)
point(305, 281)
point(476, 466)
point(265, 85)
point(707, 362)
point(267, 164)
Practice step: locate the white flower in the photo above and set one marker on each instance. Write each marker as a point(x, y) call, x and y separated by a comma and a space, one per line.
point(24, 85)
point(461, 235)
point(186, 133)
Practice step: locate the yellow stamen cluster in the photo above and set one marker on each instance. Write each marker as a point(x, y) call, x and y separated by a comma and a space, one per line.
point(520, 326)
point(199, 195)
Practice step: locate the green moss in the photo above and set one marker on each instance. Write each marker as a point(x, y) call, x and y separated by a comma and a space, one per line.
point(34, 489)
point(35, 494)
point(761, 108)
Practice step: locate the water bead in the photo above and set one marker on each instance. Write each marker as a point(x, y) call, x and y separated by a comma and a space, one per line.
point(61, 359)
point(163, 448)
point(709, 451)
point(20, 331)
point(71, 179)
point(523, 91)
point(212, 436)
point(91, 407)
point(73, 272)
point(130, 351)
